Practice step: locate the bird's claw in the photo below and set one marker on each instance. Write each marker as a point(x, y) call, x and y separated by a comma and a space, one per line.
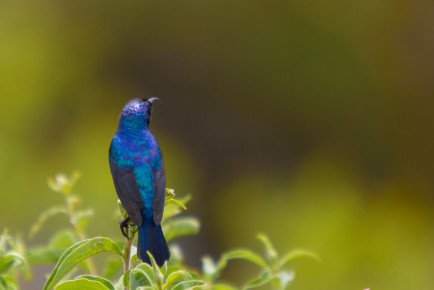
point(124, 225)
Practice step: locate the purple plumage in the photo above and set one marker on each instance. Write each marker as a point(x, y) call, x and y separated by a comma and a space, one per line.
point(137, 168)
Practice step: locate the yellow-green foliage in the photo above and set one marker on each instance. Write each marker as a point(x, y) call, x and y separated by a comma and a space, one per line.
point(70, 250)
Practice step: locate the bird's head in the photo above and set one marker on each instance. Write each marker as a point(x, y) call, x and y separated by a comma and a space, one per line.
point(137, 113)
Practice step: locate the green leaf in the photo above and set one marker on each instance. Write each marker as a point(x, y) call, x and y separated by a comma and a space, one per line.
point(221, 264)
point(170, 211)
point(101, 280)
point(138, 278)
point(62, 239)
point(82, 283)
point(246, 255)
point(133, 255)
point(158, 276)
point(120, 283)
point(180, 227)
point(192, 284)
point(170, 199)
point(149, 272)
point(263, 279)
point(126, 279)
point(185, 199)
point(56, 269)
point(77, 253)
point(43, 255)
point(3, 283)
point(44, 216)
point(297, 253)
point(269, 249)
point(175, 278)
point(177, 203)
point(5, 265)
point(11, 259)
point(170, 194)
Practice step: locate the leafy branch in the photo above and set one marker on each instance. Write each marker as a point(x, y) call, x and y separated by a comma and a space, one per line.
point(70, 250)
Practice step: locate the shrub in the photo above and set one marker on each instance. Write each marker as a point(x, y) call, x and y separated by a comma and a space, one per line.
point(71, 251)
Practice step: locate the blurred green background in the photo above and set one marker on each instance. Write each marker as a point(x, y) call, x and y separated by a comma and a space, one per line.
point(310, 121)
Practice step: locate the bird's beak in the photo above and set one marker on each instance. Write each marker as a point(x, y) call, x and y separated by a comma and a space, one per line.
point(153, 99)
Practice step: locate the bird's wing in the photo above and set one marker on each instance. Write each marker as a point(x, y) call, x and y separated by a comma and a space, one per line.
point(159, 194)
point(128, 191)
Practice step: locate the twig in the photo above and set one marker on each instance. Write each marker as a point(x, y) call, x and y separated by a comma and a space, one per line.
point(127, 250)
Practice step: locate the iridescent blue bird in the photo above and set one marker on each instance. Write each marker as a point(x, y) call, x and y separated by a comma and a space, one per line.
point(137, 168)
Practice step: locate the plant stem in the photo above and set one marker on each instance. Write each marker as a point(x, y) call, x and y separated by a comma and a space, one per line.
point(127, 250)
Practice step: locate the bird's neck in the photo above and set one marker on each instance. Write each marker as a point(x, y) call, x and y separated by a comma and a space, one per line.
point(133, 126)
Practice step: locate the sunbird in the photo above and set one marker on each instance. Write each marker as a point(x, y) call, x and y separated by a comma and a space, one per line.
point(137, 168)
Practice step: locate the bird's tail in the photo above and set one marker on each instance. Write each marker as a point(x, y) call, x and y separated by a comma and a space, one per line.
point(151, 239)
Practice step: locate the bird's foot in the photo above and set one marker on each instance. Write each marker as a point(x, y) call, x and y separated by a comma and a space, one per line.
point(124, 225)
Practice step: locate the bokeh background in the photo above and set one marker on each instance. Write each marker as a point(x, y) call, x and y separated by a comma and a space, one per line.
point(310, 121)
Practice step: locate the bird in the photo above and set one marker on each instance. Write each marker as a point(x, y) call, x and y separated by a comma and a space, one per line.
point(137, 168)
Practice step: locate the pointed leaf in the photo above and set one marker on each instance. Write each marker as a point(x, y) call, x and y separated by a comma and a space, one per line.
point(177, 203)
point(120, 283)
point(3, 283)
point(11, 259)
point(133, 254)
point(126, 279)
point(221, 264)
point(175, 277)
point(170, 211)
point(138, 278)
point(5, 265)
point(246, 255)
point(101, 280)
point(148, 271)
point(297, 253)
point(158, 276)
point(173, 206)
point(263, 279)
point(180, 227)
point(62, 239)
point(269, 248)
point(170, 193)
point(82, 283)
point(78, 253)
point(43, 255)
point(192, 284)
point(185, 199)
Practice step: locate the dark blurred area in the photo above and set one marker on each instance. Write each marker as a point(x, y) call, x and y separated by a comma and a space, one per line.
point(309, 121)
